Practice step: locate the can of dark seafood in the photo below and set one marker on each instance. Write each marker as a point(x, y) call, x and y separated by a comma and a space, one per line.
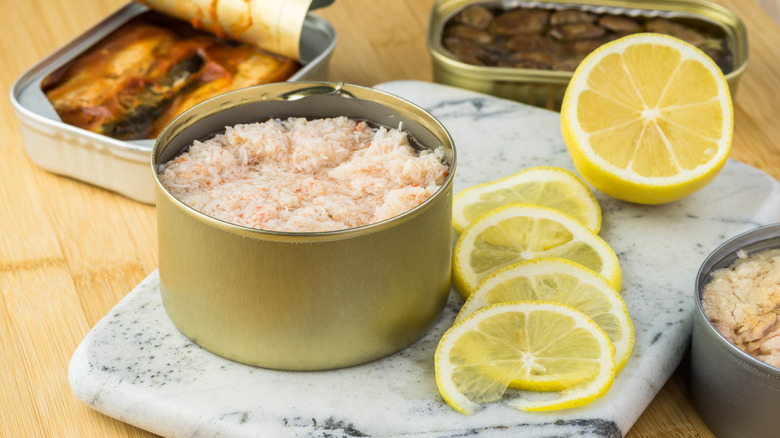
point(304, 300)
point(736, 393)
point(113, 151)
point(527, 50)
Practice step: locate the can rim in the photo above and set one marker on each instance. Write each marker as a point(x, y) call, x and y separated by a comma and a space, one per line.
point(287, 92)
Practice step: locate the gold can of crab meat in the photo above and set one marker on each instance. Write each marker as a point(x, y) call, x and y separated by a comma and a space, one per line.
point(527, 51)
point(304, 300)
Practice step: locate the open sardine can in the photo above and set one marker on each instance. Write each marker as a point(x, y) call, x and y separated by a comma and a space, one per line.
point(121, 165)
point(304, 301)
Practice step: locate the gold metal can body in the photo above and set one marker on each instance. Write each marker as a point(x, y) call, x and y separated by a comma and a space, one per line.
point(304, 301)
point(545, 88)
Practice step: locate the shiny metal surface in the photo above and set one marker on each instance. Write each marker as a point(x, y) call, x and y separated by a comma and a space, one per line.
point(545, 88)
point(304, 301)
point(736, 394)
point(273, 25)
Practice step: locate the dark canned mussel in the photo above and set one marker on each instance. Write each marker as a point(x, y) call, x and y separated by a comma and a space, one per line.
point(558, 37)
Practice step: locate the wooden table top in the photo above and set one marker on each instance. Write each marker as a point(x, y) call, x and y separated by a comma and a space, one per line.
point(70, 251)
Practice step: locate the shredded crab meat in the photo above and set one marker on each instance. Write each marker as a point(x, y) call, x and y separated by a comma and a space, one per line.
point(299, 175)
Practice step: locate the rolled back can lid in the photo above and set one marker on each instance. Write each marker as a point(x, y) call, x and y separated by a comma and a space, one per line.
point(273, 25)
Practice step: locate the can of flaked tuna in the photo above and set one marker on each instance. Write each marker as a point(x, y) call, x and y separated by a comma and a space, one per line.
point(736, 394)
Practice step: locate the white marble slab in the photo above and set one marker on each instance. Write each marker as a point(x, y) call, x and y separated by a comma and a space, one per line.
point(134, 365)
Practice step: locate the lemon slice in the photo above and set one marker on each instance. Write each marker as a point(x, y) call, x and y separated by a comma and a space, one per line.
point(648, 118)
point(479, 356)
point(552, 187)
point(518, 232)
point(561, 281)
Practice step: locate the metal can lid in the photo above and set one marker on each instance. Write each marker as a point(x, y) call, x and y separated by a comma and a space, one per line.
point(273, 25)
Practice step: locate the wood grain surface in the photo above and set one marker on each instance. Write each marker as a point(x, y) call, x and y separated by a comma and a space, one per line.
point(70, 251)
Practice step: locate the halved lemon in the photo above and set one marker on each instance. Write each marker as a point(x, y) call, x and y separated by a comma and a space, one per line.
point(516, 342)
point(561, 281)
point(552, 187)
point(648, 118)
point(518, 232)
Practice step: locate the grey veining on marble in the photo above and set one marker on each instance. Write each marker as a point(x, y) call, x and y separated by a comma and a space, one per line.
point(135, 366)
